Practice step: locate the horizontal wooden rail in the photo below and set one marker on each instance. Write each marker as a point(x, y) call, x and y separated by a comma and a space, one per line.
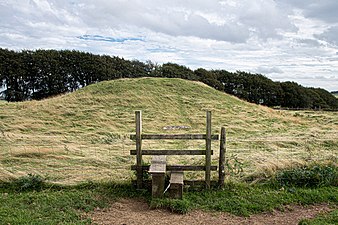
point(179, 168)
point(175, 136)
point(186, 182)
point(171, 152)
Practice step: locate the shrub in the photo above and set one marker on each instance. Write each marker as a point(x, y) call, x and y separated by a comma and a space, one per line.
point(309, 176)
point(29, 183)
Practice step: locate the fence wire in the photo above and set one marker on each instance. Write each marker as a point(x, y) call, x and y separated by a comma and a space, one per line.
point(74, 159)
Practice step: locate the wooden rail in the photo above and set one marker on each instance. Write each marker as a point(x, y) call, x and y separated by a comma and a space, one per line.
point(175, 136)
point(171, 152)
point(179, 168)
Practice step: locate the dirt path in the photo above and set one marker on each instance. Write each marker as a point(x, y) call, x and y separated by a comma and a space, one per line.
point(131, 211)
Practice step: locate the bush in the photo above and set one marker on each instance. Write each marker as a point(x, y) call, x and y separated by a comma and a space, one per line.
point(29, 183)
point(309, 176)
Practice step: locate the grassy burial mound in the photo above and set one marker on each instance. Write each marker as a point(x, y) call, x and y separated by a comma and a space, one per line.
point(85, 135)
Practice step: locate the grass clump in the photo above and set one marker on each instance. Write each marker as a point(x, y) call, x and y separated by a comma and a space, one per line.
point(30, 182)
point(308, 176)
point(181, 206)
point(328, 218)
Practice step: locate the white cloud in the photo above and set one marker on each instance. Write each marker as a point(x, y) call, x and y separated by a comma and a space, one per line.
point(292, 39)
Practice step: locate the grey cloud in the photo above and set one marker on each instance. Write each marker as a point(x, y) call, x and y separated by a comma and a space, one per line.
point(192, 18)
point(268, 70)
point(325, 10)
point(330, 35)
point(309, 42)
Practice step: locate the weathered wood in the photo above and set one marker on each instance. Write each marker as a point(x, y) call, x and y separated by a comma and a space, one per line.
point(201, 183)
point(171, 152)
point(157, 170)
point(176, 177)
point(179, 168)
point(208, 151)
point(176, 185)
point(222, 149)
point(175, 136)
point(157, 187)
point(158, 164)
point(138, 118)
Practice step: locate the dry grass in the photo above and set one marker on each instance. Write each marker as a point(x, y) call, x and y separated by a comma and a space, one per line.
point(85, 135)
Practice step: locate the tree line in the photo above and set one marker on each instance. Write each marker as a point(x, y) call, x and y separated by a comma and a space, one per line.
point(39, 74)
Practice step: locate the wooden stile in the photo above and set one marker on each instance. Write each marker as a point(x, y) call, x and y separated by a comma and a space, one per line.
point(158, 167)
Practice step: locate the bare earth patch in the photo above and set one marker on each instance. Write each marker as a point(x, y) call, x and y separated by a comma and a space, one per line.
point(131, 211)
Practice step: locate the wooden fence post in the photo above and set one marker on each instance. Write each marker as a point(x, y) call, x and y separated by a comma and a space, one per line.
point(139, 171)
point(222, 149)
point(208, 151)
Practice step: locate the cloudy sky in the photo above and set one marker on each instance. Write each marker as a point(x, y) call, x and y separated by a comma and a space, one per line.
point(283, 39)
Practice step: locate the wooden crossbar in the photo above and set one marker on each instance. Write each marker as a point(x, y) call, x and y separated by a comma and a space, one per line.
point(175, 136)
point(179, 168)
point(171, 152)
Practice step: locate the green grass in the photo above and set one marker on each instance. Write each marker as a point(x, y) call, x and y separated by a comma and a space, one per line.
point(59, 204)
point(244, 200)
point(327, 218)
point(55, 204)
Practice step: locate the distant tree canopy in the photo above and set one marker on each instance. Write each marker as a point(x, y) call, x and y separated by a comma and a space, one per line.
point(39, 74)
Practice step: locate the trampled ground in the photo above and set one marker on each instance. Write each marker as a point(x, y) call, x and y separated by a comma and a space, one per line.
point(131, 211)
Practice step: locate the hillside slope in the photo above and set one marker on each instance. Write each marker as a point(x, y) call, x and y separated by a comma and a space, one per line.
point(90, 127)
point(109, 107)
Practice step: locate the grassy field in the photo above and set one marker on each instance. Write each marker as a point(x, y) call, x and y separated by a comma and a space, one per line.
point(84, 135)
point(82, 138)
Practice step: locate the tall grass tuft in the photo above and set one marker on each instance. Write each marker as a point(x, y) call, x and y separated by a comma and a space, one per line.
point(30, 182)
point(308, 176)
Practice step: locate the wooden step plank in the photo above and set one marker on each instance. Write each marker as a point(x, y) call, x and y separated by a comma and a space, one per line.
point(179, 168)
point(158, 164)
point(171, 152)
point(176, 177)
point(175, 136)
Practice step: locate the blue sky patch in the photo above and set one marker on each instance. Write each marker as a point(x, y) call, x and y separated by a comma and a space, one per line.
point(91, 37)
